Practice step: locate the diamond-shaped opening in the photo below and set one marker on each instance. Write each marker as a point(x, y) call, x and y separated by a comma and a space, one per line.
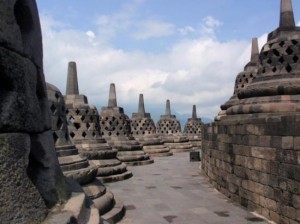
point(294, 42)
point(59, 123)
point(109, 133)
point(106, 128)
point(53, 108)
point(56, 95)
point(82, 118)
point(88, 125)
point(288, 68)
point(289, 51)
point(110, 122)
point(246, 80)
point(77, 125)
point(86, 111)
point(94, 134)
point(67, 111)
point(72, 134)
point(143, 132)
point(83, 134)
point(295, 58)
point(72, 119)
point(276, 52)
point(55, 136)
point(269, 61)
point(265, 53)
point(274, 69)
point(281, 43)
point(77, 111)
point(117, 133)
point(281, 60)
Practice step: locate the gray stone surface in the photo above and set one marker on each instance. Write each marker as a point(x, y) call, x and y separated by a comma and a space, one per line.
point(173, 190)
point(19, 199)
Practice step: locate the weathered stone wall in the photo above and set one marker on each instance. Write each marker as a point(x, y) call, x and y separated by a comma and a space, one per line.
point(256, 162)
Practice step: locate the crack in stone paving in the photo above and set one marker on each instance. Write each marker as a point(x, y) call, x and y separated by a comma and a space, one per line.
point(222, 213)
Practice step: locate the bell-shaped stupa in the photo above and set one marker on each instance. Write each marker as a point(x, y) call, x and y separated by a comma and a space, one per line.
point(243, 79)
point(168, 127)
point(192, 130)
point(78, 167)
point(144, 131)
point(84, 128)
point(276, 87)
point(115, 127)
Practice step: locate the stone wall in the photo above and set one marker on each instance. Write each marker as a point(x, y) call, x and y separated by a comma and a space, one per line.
point(256, 162)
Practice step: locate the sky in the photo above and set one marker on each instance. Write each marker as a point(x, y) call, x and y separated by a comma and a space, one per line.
point(187, 51)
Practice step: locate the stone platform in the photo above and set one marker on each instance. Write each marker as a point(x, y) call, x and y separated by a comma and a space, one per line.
point(173, 190)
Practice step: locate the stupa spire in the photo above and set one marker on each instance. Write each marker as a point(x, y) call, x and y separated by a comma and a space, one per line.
point(286, 14)
point(255, 50)
point(168, 108)
point(141, 105)
point(112, 101)
point(194, 115)
point(72, 81)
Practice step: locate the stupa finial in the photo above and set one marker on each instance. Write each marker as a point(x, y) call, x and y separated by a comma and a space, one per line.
point(194, 115)
point(112, 101)
point(168, 108)
point(255, 50)
point(72, 81)
point(141, 105)
point(286, 14)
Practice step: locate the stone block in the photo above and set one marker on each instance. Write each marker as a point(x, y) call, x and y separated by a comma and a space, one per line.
point(297, 143)
point(288, 211)
point(287, 142)
point(268, 203)
point(264, 153)
point(194, 156)
point(17, 193)
point(296, 201)
point(274, 216)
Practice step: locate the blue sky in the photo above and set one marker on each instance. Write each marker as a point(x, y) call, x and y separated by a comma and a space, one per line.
point(188, 51)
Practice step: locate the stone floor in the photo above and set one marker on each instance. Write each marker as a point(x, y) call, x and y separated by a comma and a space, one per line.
point(173, 190)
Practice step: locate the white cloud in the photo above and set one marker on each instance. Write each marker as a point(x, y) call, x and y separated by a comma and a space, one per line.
point(153, 29)
point(186, 30)
point(194, 71)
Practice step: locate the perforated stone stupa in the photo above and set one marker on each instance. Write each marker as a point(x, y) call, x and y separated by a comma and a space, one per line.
point(144, 131)
point(276, 87)
point(83, 122)
point(243, 79)
point(170, 130)
point(76, 166)
point(192, 129)
point(115, 127)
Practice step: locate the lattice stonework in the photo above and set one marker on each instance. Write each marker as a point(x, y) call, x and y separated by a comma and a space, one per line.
point(59, 122)
point(83, 122)
point(142, 126)
point(115, 125)
point(192, 127)
point(243, 80)
point(284, 55)
point(169, 126)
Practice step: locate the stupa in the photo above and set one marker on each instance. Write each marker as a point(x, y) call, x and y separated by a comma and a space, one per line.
point(76, 166)
point(84, 128)
point(144, 131)
point(115, 127)
point(192, 130)
point(170, 130)
point(33, 187)
point(276, 86)
point(243, 79)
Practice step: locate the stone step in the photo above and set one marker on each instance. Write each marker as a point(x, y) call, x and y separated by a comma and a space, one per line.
point(68, 150)
point(116, 177)
point(116, 213)
point(82, 176)
point(75, 165)
point(78, 209)
point(140, 163)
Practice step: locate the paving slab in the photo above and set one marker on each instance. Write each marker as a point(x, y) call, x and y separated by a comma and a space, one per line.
point(174, 190)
